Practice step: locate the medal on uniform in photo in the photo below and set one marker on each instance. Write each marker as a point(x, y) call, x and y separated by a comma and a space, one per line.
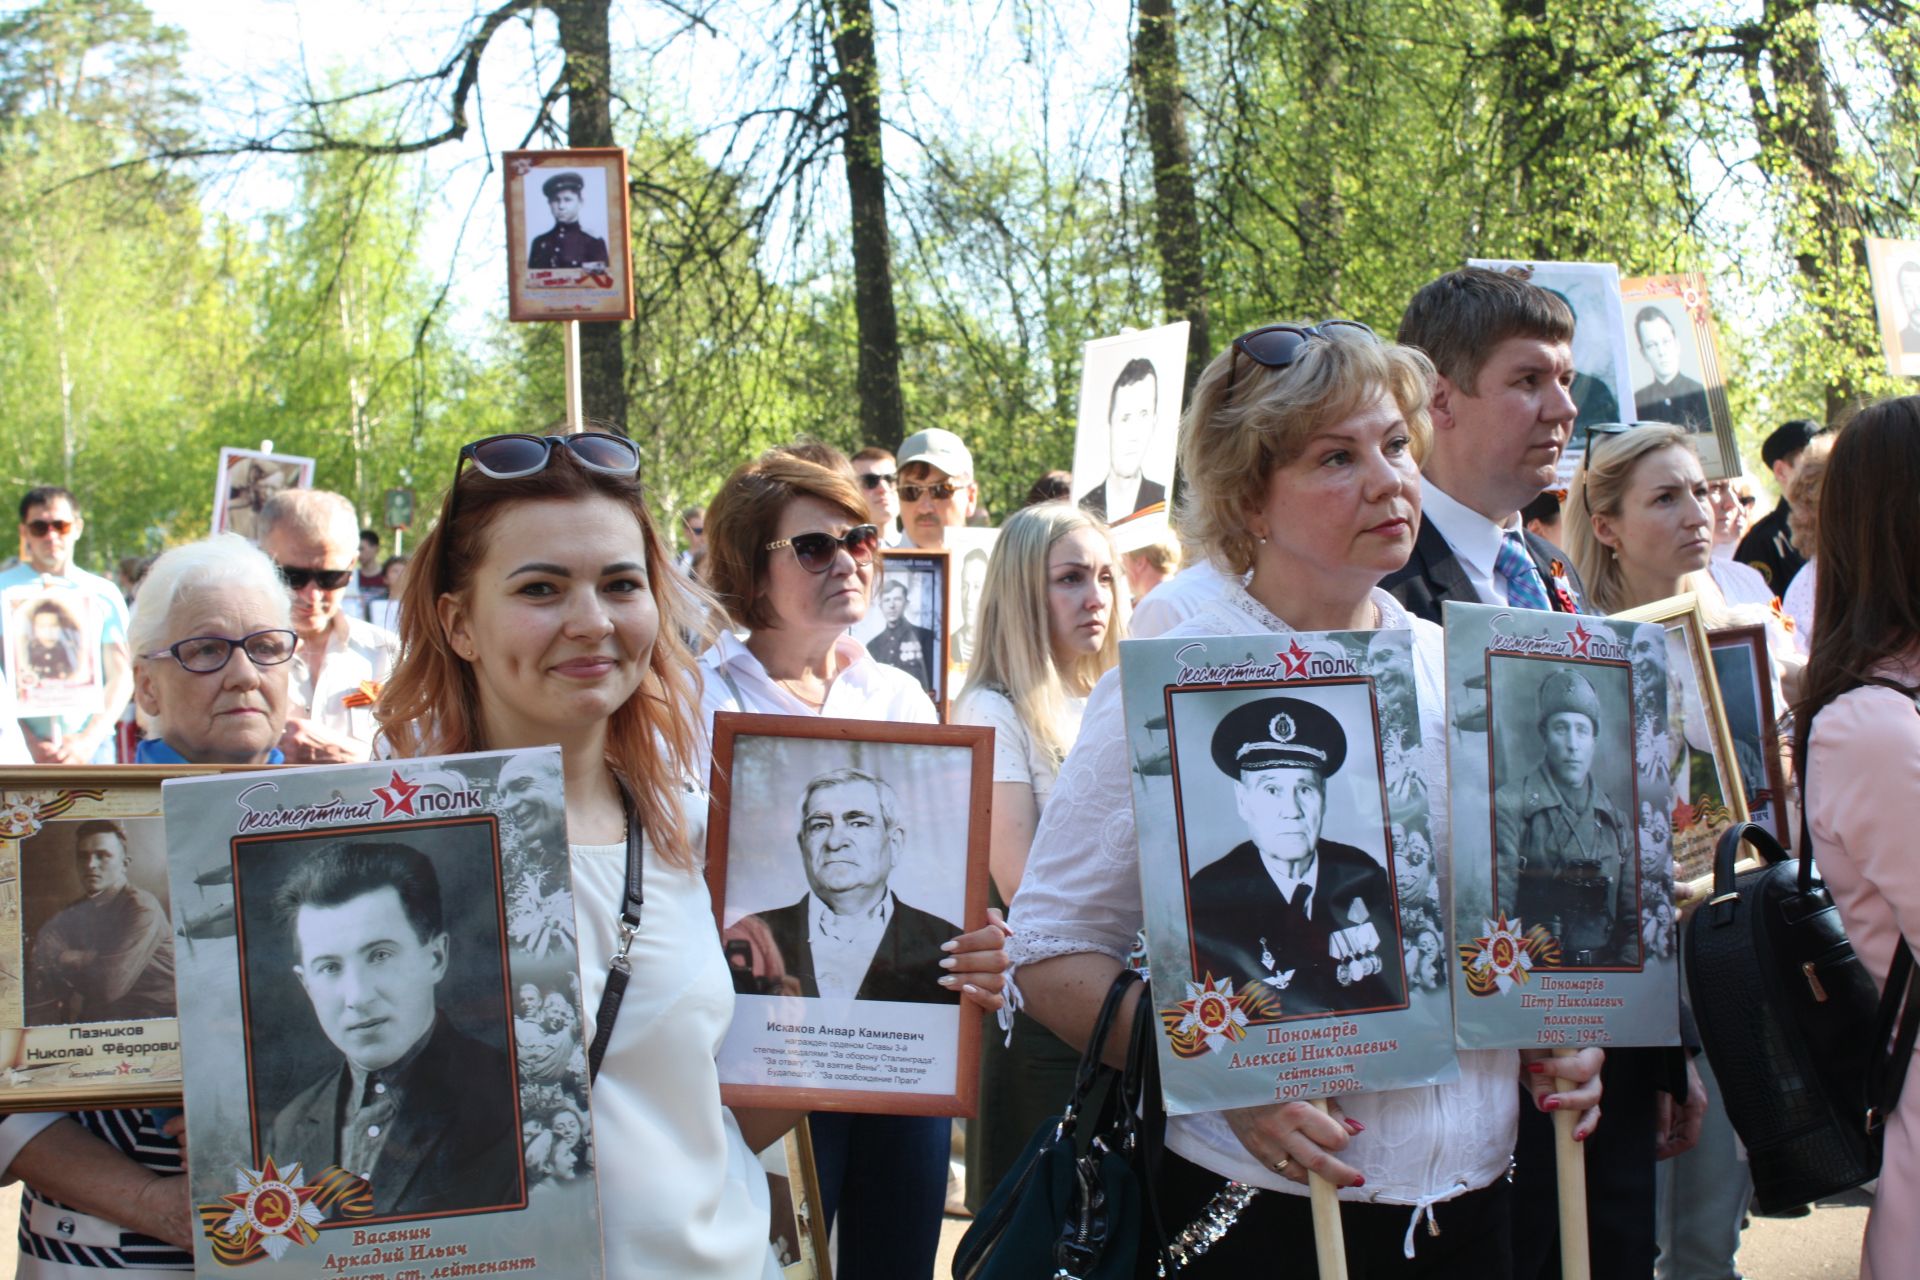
point(1293, 919)
point(1562, 892)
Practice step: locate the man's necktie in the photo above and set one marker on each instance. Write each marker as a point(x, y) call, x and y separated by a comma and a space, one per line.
point(1516, 569)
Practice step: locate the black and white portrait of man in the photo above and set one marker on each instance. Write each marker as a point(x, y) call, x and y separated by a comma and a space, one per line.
point(1672, 395)
point(568, 242)
point(1133, 416)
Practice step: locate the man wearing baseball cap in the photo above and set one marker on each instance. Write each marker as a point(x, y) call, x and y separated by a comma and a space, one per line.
point(1768, 547)
point(1312, 918)
point(1563, 848)
point(937, 490)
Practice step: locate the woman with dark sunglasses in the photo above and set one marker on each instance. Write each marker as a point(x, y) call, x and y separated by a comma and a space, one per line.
point(543, 607)
point(211, 641)
point(792, 559)
point(1301, 452)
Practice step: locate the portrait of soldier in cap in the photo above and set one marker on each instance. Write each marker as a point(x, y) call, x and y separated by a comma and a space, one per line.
point(1311, 917)
point(1564, 848)
point(566, 243)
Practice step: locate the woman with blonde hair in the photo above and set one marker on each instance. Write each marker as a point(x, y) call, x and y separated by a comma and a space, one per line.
point(1051, 620)
point(1803, 523)
point(1301, 449)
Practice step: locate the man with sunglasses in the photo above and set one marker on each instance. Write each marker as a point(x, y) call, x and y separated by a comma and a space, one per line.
point(313, 536)
point(937, 491)
point(50, 526)
point(880, 485)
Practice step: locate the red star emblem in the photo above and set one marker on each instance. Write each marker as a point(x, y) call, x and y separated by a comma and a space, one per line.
point(1294, 660)
point(397, 795)
point(1578, 639)
point(125, 1068)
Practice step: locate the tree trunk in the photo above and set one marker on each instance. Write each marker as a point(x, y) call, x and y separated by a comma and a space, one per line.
point(883, 410)
point(585, 41)
point(1176, 222)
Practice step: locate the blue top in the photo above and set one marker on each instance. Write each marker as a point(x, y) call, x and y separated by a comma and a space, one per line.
point(156, 751)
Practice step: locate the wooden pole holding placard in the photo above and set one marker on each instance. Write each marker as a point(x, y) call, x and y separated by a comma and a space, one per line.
point(570, 340)
point(1570, 1161)
point(1329, 1241)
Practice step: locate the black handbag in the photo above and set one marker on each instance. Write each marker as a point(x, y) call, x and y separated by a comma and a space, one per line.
point(1805, 1050)
point(1067, 1215)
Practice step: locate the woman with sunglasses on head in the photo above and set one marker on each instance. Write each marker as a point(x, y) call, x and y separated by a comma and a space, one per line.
point(792, 562)
point(211, 640)
point(543, 607)
point(1052, 616)
point(1301, 452)
point(1858, 747)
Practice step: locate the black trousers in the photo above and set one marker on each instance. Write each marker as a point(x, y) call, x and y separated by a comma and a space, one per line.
point(1620, 1200)
point(1274, 1236)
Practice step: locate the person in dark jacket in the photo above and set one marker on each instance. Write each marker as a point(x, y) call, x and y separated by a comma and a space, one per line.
point(566, 243)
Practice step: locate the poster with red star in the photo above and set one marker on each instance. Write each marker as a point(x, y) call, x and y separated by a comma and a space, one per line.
point(1562, 913)
point(1288, 864)
point(385, 1048)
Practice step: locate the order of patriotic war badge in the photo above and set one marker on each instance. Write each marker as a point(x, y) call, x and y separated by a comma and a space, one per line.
point(1292, 897)
point(1562, 890)
point(386, 1043)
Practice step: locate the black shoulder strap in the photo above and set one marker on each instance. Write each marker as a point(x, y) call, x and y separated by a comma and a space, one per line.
point(618, 969)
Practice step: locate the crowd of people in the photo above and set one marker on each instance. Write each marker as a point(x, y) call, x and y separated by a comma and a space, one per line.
point(1331, 479)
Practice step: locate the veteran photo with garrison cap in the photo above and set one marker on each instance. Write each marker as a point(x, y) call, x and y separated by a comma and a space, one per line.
point(566, 243)
point(1565, 846)
point(1311, 917)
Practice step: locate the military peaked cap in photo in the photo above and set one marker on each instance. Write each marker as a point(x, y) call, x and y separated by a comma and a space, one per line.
point(563, 182)
point(1569, 691)
point(1279, 733)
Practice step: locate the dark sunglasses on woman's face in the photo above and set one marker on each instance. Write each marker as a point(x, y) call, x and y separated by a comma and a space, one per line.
point(815, 551)
point(325, 579)
point(1278, 345)
point(204, 655)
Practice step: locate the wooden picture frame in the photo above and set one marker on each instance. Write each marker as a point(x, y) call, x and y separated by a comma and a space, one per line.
point(1894, 268)
point(904, 806)
point(1744, 652)
point(1699, 386)
point(562, 267)
point(798, 1231)
point(971, 551)
point(54, 1055)
point(246, 479)
point(915, 642)
point(1698, 816)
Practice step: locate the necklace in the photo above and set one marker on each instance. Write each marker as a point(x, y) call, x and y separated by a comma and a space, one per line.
point(788, 685)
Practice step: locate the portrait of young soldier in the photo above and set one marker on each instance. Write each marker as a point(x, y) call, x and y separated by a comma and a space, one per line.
point(851, 936)
point(1133, 416)
point(107, 956)
point(900, 643)
point(1672, 396)
point(423, 1111)
point(1565, 848)
point(566, 243)
point(1309, 916)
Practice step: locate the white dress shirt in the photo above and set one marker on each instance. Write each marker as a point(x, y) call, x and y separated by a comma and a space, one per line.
point(357, 653)
point(1474, 538)
point(843, 946)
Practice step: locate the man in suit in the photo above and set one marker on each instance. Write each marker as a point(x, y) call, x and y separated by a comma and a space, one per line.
point(900, 643)
point(1313, 918)
point(1768, 546)
point(1502, 414)
point(108, 955)
point(566, 243)
point(851, 936)
point(1672, 396)
point(423, 1112)
point(1133, 413)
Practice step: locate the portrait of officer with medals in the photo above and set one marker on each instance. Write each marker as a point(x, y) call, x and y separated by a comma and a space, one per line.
point(1564, 847)
point(1312, 918)
point(901, 643)
point(566, 243)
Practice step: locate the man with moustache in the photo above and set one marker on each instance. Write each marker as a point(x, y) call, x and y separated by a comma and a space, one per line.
point(420, 1110)
point(109, 955)
point(341, 662)
point(937, 489)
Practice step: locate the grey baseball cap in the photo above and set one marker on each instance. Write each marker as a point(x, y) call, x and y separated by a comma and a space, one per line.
point(937, 448)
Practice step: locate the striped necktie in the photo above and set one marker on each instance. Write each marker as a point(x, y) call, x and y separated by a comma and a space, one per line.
point(1515, 567)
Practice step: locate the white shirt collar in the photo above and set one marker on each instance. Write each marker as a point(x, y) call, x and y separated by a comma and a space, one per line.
point(730, 655)
point(1474, 538)
point(1286, 884)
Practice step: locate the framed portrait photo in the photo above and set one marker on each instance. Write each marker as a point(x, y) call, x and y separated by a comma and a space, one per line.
point(569, 254)
point(1894, 266)
point(841, 855)
point(247, 479)
point(54, 658)
point(1128, 421)
point(798, 1227)
point(1702, 762)
point(1677, 375)
point(1743, 668)
point(1287, 866)
point(90, 945)
point(390, 1028)
point(907, 624)
point(1564, 921)
point(968, 552)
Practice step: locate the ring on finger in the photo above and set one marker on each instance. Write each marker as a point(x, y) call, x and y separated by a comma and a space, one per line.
point(1280, 1165)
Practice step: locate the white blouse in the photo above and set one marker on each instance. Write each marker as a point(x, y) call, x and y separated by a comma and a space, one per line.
point(1018, 756)
point(1082, 894)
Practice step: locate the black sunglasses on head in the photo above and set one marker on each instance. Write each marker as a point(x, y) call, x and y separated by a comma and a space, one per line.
point(325, 579)
point(1606, 431)
point(510, 457)
point(1278, 345)
point(815, 551)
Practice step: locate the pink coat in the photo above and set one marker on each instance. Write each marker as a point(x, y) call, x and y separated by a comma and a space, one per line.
point(1863, 802)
